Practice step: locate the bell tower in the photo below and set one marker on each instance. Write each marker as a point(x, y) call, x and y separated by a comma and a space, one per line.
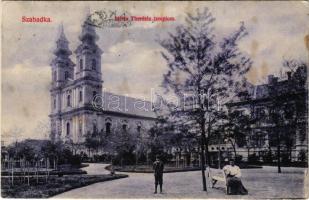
point(62, 74)
point(62, 66)
point(88, 54)
point(88, 58)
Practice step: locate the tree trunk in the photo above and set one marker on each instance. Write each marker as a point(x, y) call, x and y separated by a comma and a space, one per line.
point(203, 155)
point(219, 158)
point(28, 174)
point(24, 171)
point(278, 152)
point(37, 172)
point(206, 144)
point(207, 155)
point(12, 172)
point(46, 171)
point(234, 148)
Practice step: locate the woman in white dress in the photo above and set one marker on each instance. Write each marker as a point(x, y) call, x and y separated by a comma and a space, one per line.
point(234, 184)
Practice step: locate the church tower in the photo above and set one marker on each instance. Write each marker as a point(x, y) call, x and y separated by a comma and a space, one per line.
point(88, 70)
point(62, 66)
point(62, 75)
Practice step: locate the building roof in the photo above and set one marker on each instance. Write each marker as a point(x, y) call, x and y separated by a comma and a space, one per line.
point(295, 81)
point(127, 105)
point(260, 91)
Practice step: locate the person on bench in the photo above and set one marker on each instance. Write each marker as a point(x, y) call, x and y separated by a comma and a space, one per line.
point(234, 184)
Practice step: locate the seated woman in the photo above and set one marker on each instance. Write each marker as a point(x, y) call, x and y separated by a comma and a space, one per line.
point(234, 184)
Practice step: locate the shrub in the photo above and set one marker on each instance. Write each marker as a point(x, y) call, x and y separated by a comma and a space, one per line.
point(285, 158)
point(253, 158)
point(238, 158)
point(302, 156)
point(75, 160)
point(268, 157)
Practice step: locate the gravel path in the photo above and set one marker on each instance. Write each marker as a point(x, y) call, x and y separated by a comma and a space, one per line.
point(261, 183)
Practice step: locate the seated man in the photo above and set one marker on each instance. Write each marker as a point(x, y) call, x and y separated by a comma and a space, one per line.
point(234, 184)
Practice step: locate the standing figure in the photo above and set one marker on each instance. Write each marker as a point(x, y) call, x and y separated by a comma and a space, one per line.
point(158, 173)
point(234, 184)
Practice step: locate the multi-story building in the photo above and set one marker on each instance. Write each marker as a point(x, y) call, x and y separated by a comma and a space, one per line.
point(286, 97)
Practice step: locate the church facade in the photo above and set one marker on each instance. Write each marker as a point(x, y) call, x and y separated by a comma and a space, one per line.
point(79, 104)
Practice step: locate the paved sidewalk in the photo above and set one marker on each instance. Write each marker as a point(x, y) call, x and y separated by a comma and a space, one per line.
point(96, 169)
point(261, 183)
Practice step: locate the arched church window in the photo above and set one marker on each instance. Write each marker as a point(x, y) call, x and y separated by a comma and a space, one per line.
point(108, 128)
point(80, 95)
point(81, 64)
point(55, 103)
point(68, 128)
point(66, 75)
point(94, 64)
point(80, 128)
point(94, 93)
point(69, 100)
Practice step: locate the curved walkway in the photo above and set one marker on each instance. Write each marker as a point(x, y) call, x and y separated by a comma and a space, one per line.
point(261, 183)
point(96, 169)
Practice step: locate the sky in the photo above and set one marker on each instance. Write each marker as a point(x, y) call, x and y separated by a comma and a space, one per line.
point(131, 62)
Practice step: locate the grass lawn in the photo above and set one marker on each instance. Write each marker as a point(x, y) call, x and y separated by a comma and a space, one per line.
point(55, 185)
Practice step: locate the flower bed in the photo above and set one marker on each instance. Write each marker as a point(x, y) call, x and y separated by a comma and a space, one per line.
point(55, 185)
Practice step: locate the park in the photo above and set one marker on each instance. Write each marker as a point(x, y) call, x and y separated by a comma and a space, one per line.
point(207, 127)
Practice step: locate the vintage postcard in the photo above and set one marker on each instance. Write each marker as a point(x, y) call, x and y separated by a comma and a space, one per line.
point(105, 100)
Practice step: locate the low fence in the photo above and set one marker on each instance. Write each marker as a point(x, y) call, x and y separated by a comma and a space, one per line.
point(22, 171)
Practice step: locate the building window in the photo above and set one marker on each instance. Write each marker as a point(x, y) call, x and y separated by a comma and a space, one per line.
point(55, 103)
point(68, 128)
point(259, 113)
point(139, 128)
point(69, 100)
point(66, 75)
point(108, 128)
point(94, 93)
point(302, 134)
point(80, 96)
point(80, 128)
point(124, 127)
point(55, 75)
point(94, 64)
point(94, 128)
point(81, 64)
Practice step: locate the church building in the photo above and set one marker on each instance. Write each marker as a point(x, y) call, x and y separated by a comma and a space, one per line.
point(79, 104)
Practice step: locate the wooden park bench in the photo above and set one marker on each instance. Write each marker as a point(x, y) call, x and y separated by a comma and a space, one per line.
point(216, 175)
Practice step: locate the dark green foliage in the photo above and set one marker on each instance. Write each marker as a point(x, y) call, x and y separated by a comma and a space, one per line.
point(303, 156)
point(58, 152)
point(268, 157)
point(238, 158)
point(253, 158)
